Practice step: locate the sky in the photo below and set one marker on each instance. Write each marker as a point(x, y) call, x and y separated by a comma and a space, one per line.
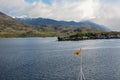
point(103, 12)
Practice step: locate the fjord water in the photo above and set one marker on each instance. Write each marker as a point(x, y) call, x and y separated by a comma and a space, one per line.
point(48, 59)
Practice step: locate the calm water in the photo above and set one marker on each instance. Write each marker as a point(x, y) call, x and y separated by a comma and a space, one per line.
point(48, 59)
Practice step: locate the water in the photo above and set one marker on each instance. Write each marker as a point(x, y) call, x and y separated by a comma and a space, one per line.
point(48, 59)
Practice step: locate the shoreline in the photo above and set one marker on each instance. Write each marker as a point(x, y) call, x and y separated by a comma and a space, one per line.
point(90, 36)
point(84, 39)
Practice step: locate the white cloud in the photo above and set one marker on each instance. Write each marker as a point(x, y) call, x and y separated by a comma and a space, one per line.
point(99, 11)
point(109, 15)
point(63, 10)
point(66, 10)
point(14, 7)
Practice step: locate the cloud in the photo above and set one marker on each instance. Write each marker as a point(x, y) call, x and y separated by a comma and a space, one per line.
point(109, 15)
point(76, 10)
point(105, 12)
point(61, 10)
point(14, 7)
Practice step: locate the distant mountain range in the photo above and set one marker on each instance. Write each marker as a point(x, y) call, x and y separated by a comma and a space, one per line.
point(10, 27)
point(41, 27)
point(43, 21)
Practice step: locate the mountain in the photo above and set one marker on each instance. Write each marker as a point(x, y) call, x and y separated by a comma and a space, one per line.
point(9, 27)
point(7, 22)
point(43, 21)
point(40, 27)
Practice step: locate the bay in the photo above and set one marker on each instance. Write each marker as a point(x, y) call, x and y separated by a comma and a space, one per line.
point(48, 59)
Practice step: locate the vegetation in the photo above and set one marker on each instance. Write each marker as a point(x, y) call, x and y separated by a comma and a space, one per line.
point(9, 27)
point(91, 35)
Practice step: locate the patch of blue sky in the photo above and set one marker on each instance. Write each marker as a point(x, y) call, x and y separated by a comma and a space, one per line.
point(44, 1)
point(31, 1)
point(47, 1)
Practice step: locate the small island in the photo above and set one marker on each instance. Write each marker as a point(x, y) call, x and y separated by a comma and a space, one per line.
point(90, 36)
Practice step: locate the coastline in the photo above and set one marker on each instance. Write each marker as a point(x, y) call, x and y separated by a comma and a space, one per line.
point(90, 36)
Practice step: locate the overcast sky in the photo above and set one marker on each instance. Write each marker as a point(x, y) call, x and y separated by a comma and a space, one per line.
point(104, 12)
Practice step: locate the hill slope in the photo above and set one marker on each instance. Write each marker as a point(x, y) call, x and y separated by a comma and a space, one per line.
point(9, 27)
point(8, 24)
